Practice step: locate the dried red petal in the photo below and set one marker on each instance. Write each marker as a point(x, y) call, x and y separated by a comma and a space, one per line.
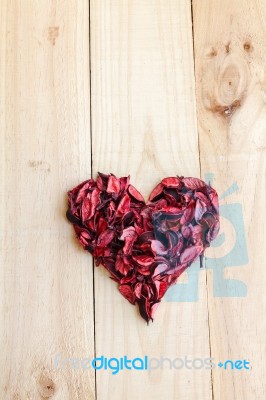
point(123, 206)
point(143, 260)
point(83, 191)
point(113, 185)
point(85, 209)
point(135, 193)
point(83, 235)
point(156, 192)
point(100, 183)
point(122, 267)
point(129, 235)
point(154, 309)
point(138, 289)
point(200, 210)
point(193, 183)
point(161, 288)
point(95, 200)
point(127, 292)
point(190, 254)
point(105, 238)
point(188, 213)
point(145, 309)
point(213, 196)
point(186, 231)
point(171, 182)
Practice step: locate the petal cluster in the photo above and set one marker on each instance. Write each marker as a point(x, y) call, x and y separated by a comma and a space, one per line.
point(145, 246)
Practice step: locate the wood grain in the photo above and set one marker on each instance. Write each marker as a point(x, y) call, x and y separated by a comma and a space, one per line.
point(150, 120)
point(143, 123)
point(46, 279)
point(230, 74)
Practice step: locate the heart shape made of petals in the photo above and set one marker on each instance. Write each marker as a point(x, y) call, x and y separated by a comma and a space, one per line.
point(145, 246)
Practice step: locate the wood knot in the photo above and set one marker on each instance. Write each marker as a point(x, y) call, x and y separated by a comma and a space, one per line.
point(213, 52)
point(225, 80)
point(247, 46)
point(53, 33)
point(46, 387)
point(227, 47)
point(229, 83)
point(226, 110)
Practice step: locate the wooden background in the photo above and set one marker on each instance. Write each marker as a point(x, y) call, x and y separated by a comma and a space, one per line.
point(153, 88)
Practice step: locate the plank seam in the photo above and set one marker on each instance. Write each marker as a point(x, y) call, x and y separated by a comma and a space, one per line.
point(209, 331)
point(194, 64)
point(93, 263)
point(194, 67)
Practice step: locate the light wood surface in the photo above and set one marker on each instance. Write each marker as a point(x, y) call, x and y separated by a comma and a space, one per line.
point(110, 86)
point(46, 279)
point(230, 61)
point(144, 123)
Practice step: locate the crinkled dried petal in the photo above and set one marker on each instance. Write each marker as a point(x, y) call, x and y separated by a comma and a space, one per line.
point(123, 206)
point(113, 185)
point(127, 292)
point(122, 267)
point(105, 238)
point(190, 254)
point(143, 260)
point(158, 248)
point(160, 269)
point(135, 194)
point(200, 209)
point(171, 182)
point(85, 209)
point(156, 192)
point(193, 183)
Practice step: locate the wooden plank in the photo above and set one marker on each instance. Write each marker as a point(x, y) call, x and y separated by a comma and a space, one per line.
point(46, 279)
point(230, 74)
point(144, 124)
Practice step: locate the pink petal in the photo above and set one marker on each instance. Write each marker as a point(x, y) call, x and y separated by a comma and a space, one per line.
point(83, 191)
point(95, 200)
point(188, 213)
point(129, 235)
point(213, 196)
point(137, 289)
point(128, 232)
point(199, 210)
point(154, 309)
point(113, 184)
point(158, 248)
point(83, 235)
point(186, 231)
point(193, 183)
point(85, 209)
point(160, 269)
point(190, 254)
